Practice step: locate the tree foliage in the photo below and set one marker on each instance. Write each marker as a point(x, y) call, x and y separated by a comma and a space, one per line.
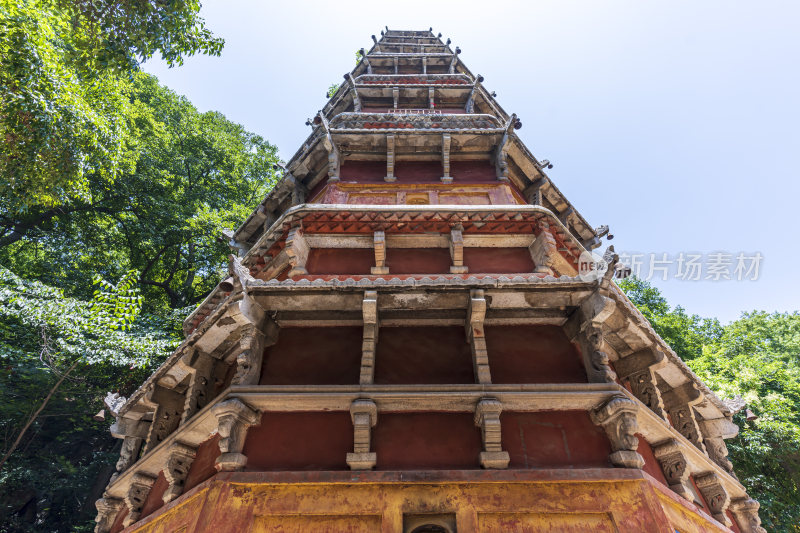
point(196, 174)
point(64, 69)
point(758, 358)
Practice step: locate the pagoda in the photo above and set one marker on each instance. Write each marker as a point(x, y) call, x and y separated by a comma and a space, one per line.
point(408, 342)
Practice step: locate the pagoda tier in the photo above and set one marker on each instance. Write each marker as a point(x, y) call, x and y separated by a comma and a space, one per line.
point(408, 342)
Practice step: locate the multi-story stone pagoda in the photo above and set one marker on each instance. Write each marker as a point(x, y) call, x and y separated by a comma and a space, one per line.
point(406, 344)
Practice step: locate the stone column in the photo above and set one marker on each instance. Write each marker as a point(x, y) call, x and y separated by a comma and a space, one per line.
point(715, 495)
point(176, 469)
point(364, 414)
point(107, 510)
point(638, 369)
point(379, 245)
point(369, 341)
point(675, 467)
point(617, 416)
point(476, 313)
point(745, 511)
point(487, 417)
point(233, 419)
point(137, 494)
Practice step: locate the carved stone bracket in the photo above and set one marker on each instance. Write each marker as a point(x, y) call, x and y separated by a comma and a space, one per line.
point(543, 251)
point(596, 360)
point(715, 495)
point(131, 446)
point(199, 392)
point(618, 418)
point(354, 92)
point(137, 494)
point(501, 152)
point(714, 434)
point(334, 161)
point(457, 251)
point(233, 419)
point(379, 245)
point(638, 369)
point(297, 249)
point(476, 313)
point(364, 414)
point(176, 469)
point(745, 511)
point(370, 337)
point(107, 510)
point(675, 467)
point(250, 356)
point(680, 402)
point(487, 417)
point(168, 410)
point(446, 178)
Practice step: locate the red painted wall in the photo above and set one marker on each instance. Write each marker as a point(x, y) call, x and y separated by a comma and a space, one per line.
point(117, 526)
point(532, 354)
point(363, 171)
point(423, 355)
point(313, 356)
point(202, 467)
point(340, 260)
point(300, 441)
point(472, 172)
point(418, 260)
point(566, 439)
point(413, 441)
point(651, 465)
point(154, 498)
point(498, 260)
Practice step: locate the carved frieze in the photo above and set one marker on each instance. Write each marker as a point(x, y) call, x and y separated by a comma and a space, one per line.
point(617, 416)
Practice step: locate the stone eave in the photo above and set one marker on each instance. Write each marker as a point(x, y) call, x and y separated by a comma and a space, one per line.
point(296, 213)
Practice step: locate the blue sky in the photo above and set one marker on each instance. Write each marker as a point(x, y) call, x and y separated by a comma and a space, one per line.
point(675, 122)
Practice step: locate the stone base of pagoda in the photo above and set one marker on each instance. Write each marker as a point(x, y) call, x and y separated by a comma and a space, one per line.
point(596, 500)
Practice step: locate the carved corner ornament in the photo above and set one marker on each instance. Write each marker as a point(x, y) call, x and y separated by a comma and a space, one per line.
point(745, 511)
point(107, 510)
point(597, 363)
point(364, 414)
point(617, 416)
point(233, 419)
point(487, 417)
point(137, 494)
point(176, 469)
point(251, 354)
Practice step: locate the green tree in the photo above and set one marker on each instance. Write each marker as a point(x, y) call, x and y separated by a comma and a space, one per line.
point(758, 358)
point(59, 356)
point(64, 69)
point(196, 174)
